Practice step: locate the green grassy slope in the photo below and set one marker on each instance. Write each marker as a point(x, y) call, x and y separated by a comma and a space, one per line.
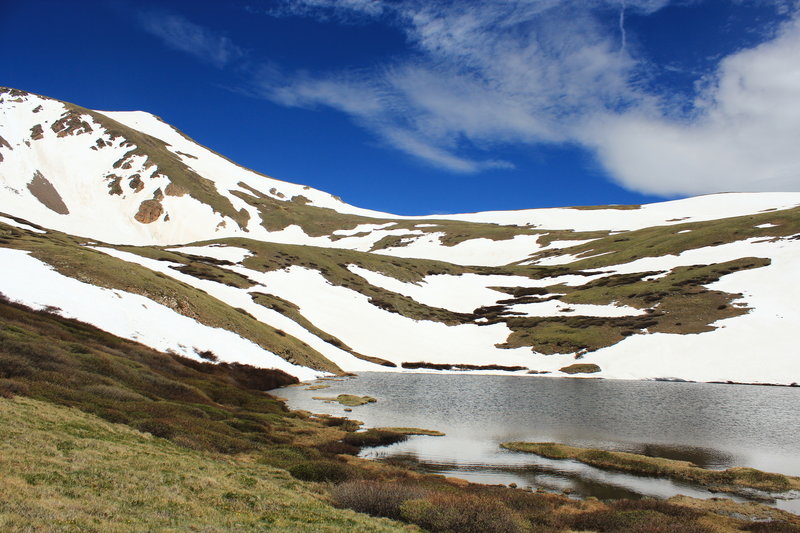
point(65, 470)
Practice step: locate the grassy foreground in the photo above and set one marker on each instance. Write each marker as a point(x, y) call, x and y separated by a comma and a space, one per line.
point(103, 434)
point(65, 470)
point(730, 480)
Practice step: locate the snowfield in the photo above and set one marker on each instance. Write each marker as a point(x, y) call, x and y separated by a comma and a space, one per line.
point(130, 316)
point(85, 182)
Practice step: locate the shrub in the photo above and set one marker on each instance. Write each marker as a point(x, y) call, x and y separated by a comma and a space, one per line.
point(634, 521)
point(463, 513)
point(112, 392)
point(773, 527)
point(338, 448)
point(206, 355)
point(650, 504)
point(10, 388)
point(580, 368)
point(345, 424)
point(12, 366)
point(375, 498)
point(157, 428)
point(285, 455)
point(321, 471)
point(374, 437)
point(262, 379)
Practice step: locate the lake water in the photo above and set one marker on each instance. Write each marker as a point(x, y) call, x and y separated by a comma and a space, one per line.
point(714, 426)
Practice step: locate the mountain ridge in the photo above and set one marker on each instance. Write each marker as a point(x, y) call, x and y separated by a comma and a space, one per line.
point(688, 289)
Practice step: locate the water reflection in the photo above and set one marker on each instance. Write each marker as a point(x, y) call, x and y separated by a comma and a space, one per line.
point(714, 426)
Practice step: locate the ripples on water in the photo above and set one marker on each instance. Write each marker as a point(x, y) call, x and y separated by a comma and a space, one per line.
point(714, 426)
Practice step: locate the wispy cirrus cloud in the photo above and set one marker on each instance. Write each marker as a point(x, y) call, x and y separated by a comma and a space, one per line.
point(554, 71)
point(181, 34)
point(478, 75)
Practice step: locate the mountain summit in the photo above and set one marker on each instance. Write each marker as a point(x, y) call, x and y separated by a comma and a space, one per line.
point(122, 221)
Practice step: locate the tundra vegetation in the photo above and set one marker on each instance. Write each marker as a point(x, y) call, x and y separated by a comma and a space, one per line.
point(673, 301)
point(105, 434)
point(730, 480)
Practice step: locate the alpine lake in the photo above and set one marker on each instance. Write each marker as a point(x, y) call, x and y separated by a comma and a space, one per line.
point(715, 426)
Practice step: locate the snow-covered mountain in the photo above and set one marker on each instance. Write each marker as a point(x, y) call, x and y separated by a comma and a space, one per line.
point(122, 221)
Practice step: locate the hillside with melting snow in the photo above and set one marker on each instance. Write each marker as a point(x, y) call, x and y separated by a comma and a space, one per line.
point(122, 221)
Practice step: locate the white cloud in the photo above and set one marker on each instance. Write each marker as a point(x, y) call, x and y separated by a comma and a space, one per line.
point(325, 8)
point(484, 73)
point(181, 34)
point(548, 71)
point(745, 135)
point(526, 72)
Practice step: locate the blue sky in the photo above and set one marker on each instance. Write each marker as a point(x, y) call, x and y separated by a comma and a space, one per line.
point(420, 107)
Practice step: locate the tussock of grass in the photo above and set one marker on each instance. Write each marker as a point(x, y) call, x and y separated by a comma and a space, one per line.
point(374, 437)
point(729, 480)
point(580, 368)
point(413, 431)
point(350, 400)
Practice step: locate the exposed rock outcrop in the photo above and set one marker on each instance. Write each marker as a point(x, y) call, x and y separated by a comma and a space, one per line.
point(149, 211)
point(44, 191)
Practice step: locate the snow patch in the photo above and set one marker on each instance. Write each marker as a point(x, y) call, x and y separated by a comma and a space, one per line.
point(129, 316)
point(462, 294)
point(216, 251)
point(20, 225)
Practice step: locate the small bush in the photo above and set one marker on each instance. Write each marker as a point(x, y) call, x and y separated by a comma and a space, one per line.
point(650, 504)
point(580, 368)
point(112, 392)
point(773, 527)
point(284, 456)
point(206, 355)
point(340, 422)
point(10, 388)
point(338, 448)
point(374, 437)
point(157, 428)
point(634, 521)
point(321, 471)
point(13, 366)
point(463, 513)
point(375, 498)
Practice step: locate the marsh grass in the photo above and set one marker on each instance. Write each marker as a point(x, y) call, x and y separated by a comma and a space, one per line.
point(730, 480)
point(580, 368)
point(350, 400)
point(413, 431)
point(374, 437)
